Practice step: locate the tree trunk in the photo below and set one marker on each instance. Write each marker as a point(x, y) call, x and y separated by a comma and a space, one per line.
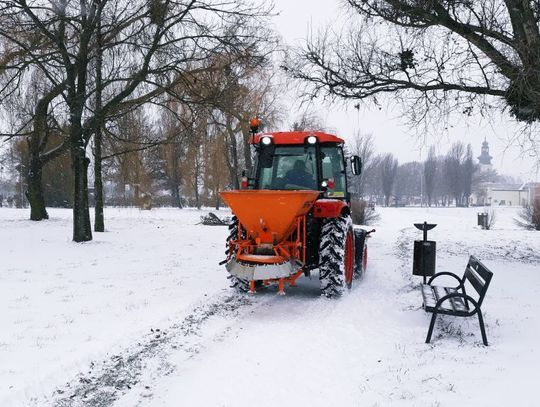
point(196, 186)
point(38, 211)
point(99, 221)
point(247, 153)
point(82, 229)
point(197, 198)
point(37, 143)
point(175, 177)
point(233, 149)
point(176, 195)
point(175, 181)
point(217, 201)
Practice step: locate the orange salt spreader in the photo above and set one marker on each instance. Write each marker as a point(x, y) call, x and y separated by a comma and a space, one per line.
point(271, 232)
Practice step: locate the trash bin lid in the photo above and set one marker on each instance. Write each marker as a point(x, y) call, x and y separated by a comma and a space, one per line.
point(425, 226)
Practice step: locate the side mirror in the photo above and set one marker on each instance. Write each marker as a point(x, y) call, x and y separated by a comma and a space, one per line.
point(356, 165)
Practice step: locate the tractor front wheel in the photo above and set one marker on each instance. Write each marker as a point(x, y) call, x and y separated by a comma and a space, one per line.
point(336, 255)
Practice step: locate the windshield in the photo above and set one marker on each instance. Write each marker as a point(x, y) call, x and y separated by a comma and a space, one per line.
point(290, 167)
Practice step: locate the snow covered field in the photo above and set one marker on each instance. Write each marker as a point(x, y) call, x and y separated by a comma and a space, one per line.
point(142, 316)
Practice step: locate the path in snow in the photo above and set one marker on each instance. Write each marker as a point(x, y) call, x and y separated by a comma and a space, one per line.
point(109, 380)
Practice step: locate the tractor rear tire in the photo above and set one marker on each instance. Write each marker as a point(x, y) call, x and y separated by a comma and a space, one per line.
point(336, 256)
point(239, 284)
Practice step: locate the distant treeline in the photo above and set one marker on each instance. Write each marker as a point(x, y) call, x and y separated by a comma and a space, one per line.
point(440, 180)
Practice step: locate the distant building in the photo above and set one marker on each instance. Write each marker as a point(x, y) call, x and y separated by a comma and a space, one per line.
point(484, 160)
point(501, 194)
point(497, 194)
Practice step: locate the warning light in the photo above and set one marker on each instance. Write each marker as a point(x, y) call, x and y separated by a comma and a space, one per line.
point(254, 125)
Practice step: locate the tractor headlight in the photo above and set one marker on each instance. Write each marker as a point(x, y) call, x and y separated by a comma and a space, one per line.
point(266, 140)
point(312, 140)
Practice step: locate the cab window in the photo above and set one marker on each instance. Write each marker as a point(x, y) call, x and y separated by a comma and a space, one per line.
point(291, 167)
point(333, 167)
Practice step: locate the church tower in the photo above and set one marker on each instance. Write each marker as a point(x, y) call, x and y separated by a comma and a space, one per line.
point(485, 159)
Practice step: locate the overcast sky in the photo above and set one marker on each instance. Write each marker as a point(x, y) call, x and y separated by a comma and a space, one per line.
point(389, 129)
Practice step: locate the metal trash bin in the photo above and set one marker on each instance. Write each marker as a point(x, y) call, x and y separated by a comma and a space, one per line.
point(483, 220)
point(424, 255)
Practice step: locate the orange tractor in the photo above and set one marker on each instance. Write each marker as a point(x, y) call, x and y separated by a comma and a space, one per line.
point(293, 215)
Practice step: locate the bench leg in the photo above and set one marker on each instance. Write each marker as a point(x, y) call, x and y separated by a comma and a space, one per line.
point(482, 328)
point(431, 325)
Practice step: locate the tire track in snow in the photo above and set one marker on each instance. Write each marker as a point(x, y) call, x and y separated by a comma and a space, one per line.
point(107, 381)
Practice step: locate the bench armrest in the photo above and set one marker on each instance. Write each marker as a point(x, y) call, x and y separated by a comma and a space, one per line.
point(446, 273)
point(466, 297)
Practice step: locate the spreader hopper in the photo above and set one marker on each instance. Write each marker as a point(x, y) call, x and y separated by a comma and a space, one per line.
point(269, 215)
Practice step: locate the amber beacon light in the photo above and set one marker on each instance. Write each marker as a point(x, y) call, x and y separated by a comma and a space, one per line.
point(254, 125)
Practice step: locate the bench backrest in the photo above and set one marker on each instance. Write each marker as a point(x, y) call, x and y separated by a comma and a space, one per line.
point(478, 276)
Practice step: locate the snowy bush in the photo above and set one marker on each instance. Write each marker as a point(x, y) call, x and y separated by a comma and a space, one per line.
point(362, 213)
point(491, 219)
point(529, 216)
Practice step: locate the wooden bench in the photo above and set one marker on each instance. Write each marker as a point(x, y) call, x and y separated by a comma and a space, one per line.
point(455, 300)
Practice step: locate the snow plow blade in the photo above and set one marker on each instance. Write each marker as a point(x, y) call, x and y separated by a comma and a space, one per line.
point(269, 216)
point(255, 271)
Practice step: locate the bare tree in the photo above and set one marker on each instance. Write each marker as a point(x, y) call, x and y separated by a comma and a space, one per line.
point(529, 216)
point(32, 118)
point(148, 47)
point(430, 174)
point(99, 217)
point(408, 182)
point(453, 171)
point(308, 120)
point(437, 56)
point(388, 167)
point(458, 173)
point(469, 169)
point(124, 156)
point(176, 126)
point(234, 95)
point(372, 179)
point(362, 145)
point(56, 175)
point(442, 187)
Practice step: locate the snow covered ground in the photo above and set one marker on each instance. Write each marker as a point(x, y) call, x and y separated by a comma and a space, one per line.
point(142, 316)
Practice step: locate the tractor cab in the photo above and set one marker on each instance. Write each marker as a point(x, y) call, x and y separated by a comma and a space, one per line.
point(301, 161)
